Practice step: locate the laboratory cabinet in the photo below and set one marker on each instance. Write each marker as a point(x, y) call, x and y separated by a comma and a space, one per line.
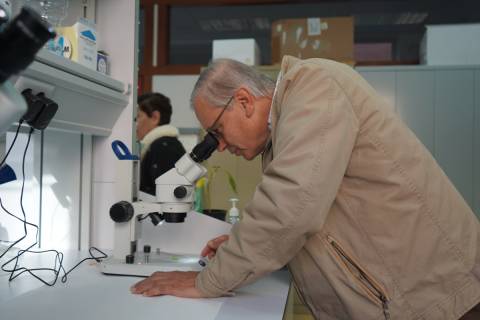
point(384, 82)
point(476, 145)
point(441, 104)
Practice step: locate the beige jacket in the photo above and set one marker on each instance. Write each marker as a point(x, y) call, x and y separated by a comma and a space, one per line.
point(369, 224)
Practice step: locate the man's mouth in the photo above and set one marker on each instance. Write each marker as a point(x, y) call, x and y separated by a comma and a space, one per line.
point(235, 151)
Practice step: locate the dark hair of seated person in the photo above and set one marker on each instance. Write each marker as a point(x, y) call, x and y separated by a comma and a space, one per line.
point(164, 151)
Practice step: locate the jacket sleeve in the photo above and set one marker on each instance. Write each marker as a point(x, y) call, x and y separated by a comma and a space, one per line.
point(312, 143)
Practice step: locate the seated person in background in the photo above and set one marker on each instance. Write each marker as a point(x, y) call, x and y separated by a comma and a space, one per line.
point(160, 147)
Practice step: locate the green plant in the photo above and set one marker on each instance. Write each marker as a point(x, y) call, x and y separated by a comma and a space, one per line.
point(212, 173)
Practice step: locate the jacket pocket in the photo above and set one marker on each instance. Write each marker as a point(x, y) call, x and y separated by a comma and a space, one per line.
point(370, 286)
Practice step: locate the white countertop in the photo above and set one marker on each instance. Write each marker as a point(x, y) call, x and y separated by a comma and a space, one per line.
point(89, 294)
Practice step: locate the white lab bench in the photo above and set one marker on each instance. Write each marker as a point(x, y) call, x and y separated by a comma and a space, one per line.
point(89, 294)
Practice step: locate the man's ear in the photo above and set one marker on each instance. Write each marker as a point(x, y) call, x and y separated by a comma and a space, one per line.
point(156, 116)
point(246, 100)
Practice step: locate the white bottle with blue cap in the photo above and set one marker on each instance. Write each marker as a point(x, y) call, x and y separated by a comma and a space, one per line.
point(233, 213)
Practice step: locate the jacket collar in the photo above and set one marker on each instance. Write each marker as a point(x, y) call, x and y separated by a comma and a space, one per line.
point(287, 63)
point(160, 131)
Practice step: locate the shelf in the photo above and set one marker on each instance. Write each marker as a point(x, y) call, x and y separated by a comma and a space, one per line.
point(48, 58)
point(88, 101)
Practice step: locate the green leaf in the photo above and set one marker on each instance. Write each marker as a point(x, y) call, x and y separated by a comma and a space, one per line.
point(231, 181)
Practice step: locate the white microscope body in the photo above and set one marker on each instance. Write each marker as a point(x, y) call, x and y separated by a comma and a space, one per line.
point(173, 200)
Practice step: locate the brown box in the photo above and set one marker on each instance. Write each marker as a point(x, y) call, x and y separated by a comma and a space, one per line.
point(330, 38)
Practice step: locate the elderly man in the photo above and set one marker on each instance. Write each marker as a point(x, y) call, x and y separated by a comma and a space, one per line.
point(368, 223)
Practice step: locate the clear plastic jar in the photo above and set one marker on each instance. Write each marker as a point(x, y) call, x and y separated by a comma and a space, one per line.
point(53, 11)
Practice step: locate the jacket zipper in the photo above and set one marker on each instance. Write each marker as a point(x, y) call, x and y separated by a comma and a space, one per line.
point(364, 278)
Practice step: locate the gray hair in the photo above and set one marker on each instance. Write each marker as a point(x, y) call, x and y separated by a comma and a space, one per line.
point(217, 83)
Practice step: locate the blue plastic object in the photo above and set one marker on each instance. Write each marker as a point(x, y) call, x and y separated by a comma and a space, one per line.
point(7, 174)
point(122, 152)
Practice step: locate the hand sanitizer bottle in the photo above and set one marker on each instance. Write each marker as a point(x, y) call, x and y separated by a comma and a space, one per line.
point(233, 213)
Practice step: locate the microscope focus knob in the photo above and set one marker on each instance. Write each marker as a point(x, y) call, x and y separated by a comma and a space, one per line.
point(121, 211)
point(180, 192)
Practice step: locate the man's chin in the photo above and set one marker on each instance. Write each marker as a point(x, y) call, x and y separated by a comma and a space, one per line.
point(249, 156)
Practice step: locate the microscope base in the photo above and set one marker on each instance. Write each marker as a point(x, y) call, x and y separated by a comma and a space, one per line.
point(164, 262)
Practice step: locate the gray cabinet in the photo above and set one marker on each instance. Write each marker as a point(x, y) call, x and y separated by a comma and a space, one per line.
point(442, 107)
point(415, 103)
point(454, 127)
point(384, 83)
point(476, 146)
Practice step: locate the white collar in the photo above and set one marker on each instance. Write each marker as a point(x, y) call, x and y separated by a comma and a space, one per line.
point(158, 132)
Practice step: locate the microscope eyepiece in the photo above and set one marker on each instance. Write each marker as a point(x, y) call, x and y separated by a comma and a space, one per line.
point(204, 149)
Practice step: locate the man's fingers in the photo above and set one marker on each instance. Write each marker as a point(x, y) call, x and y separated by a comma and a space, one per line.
point(215, 243)
point(152, 292)
point(211, 248)
point(181, 284)
point(218, 241)
point(140, 286)
point(147, 283)
point(206, 251)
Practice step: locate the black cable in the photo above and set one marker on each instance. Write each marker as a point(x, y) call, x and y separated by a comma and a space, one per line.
point(58, 267)
point(24, 220)
point(92, 257)
point(13, 142)
point(5, 159)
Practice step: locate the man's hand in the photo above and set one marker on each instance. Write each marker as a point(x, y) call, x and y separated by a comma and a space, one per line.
point(211, 248)
point(180, 284)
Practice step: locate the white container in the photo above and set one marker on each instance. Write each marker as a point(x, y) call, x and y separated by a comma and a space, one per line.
point(233, 213)
point(243, 50)
point(454, 44)
point(83, 39)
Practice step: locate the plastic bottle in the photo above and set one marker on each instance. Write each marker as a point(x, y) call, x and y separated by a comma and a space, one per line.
point(53, 11)
point(233, 213)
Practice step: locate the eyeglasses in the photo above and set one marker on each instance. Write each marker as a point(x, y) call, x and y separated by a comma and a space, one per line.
point(214, 131)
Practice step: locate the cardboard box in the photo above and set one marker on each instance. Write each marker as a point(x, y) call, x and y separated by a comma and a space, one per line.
point(83, 39)
point(454, 44)
point(330, 38)
point(243, 50)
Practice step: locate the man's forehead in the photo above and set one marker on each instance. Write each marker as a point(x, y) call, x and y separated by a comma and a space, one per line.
point(203, 111)
point(201, 105)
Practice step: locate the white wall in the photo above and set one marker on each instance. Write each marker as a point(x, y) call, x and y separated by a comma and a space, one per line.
point(178, 89)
